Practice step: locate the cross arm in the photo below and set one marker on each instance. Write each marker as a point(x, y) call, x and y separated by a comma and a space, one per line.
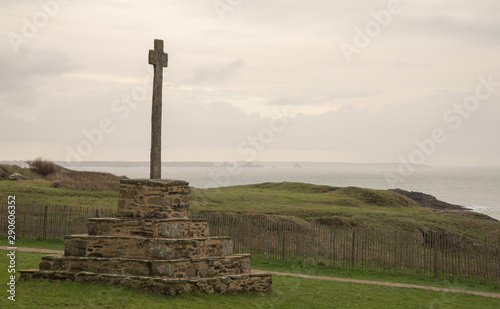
point(157, 56)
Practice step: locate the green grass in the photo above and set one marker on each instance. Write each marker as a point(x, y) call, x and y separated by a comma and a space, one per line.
point(340, 206)
point(321, 204)
point(321, 270)
point(316, 270)
point(40, 191)
point(54, 244)
point(6, 170)
point(288, 292)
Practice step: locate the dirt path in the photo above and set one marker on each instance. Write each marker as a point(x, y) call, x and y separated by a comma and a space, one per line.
point(26, 249)
point(385, 283)
point(393, 284)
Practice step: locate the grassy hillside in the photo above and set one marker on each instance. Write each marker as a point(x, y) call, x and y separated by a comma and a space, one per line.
point(340, 206)
point(6, 170)
point(64, 187)
point(348, 206)
point(43, 192)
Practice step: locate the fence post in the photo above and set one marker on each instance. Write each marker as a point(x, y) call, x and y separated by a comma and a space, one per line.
point(395, 254)
point(353, 247)
point(45, 220)
point(497, 275)
point(283, 251)
point(435, 253)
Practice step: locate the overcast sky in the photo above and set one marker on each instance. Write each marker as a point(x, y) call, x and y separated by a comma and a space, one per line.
point(283, 80)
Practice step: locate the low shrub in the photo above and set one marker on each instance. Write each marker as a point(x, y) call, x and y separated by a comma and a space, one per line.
point(42, 167)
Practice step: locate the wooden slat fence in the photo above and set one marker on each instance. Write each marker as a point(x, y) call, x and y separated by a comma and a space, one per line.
point(51, 221)
point(424, 253)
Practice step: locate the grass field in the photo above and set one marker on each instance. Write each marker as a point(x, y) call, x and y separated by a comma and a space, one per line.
point(316, 270)
point(320, 270)
point(328, 205)
point(340, 206)
point(322, 204)
point(41, 191)
point(65, 187)
point(288, 292)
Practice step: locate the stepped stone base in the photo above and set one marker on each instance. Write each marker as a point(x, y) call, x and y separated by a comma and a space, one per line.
point(153, 246)
point(168, 228)
point(141, 247)
point(181, 268)
point(221, 284)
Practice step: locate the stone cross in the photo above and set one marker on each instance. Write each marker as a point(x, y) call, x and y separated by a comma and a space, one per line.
point(159, 60)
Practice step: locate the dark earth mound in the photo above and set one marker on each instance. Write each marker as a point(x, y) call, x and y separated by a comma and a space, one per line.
point(430, 201)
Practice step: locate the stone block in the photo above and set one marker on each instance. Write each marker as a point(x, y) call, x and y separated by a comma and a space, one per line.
point(159, 198)
point(162, 270)
point(173, 268)
point(169, 228)
point(141, 247)
point(160, 252)
point(227, 247)
point(75, 247)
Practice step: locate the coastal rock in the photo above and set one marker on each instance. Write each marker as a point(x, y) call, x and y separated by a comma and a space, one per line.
point(15, 176)
point(427, 200)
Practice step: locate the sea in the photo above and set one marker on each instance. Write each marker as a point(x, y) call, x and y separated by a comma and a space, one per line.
point(476, 188)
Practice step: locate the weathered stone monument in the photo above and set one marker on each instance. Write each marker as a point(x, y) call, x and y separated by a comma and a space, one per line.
point(152, 245)
point(159, 60)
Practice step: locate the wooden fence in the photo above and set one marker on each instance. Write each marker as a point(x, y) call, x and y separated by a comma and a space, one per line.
point(51, 221)
point(424, 253)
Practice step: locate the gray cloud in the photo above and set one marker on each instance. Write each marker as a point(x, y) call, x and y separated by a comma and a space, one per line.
point(317, 96)
point(225, 77)
point(16, 67)
point(453, 21)
point(375, 135)
point(215, 72)
point(26, 76)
